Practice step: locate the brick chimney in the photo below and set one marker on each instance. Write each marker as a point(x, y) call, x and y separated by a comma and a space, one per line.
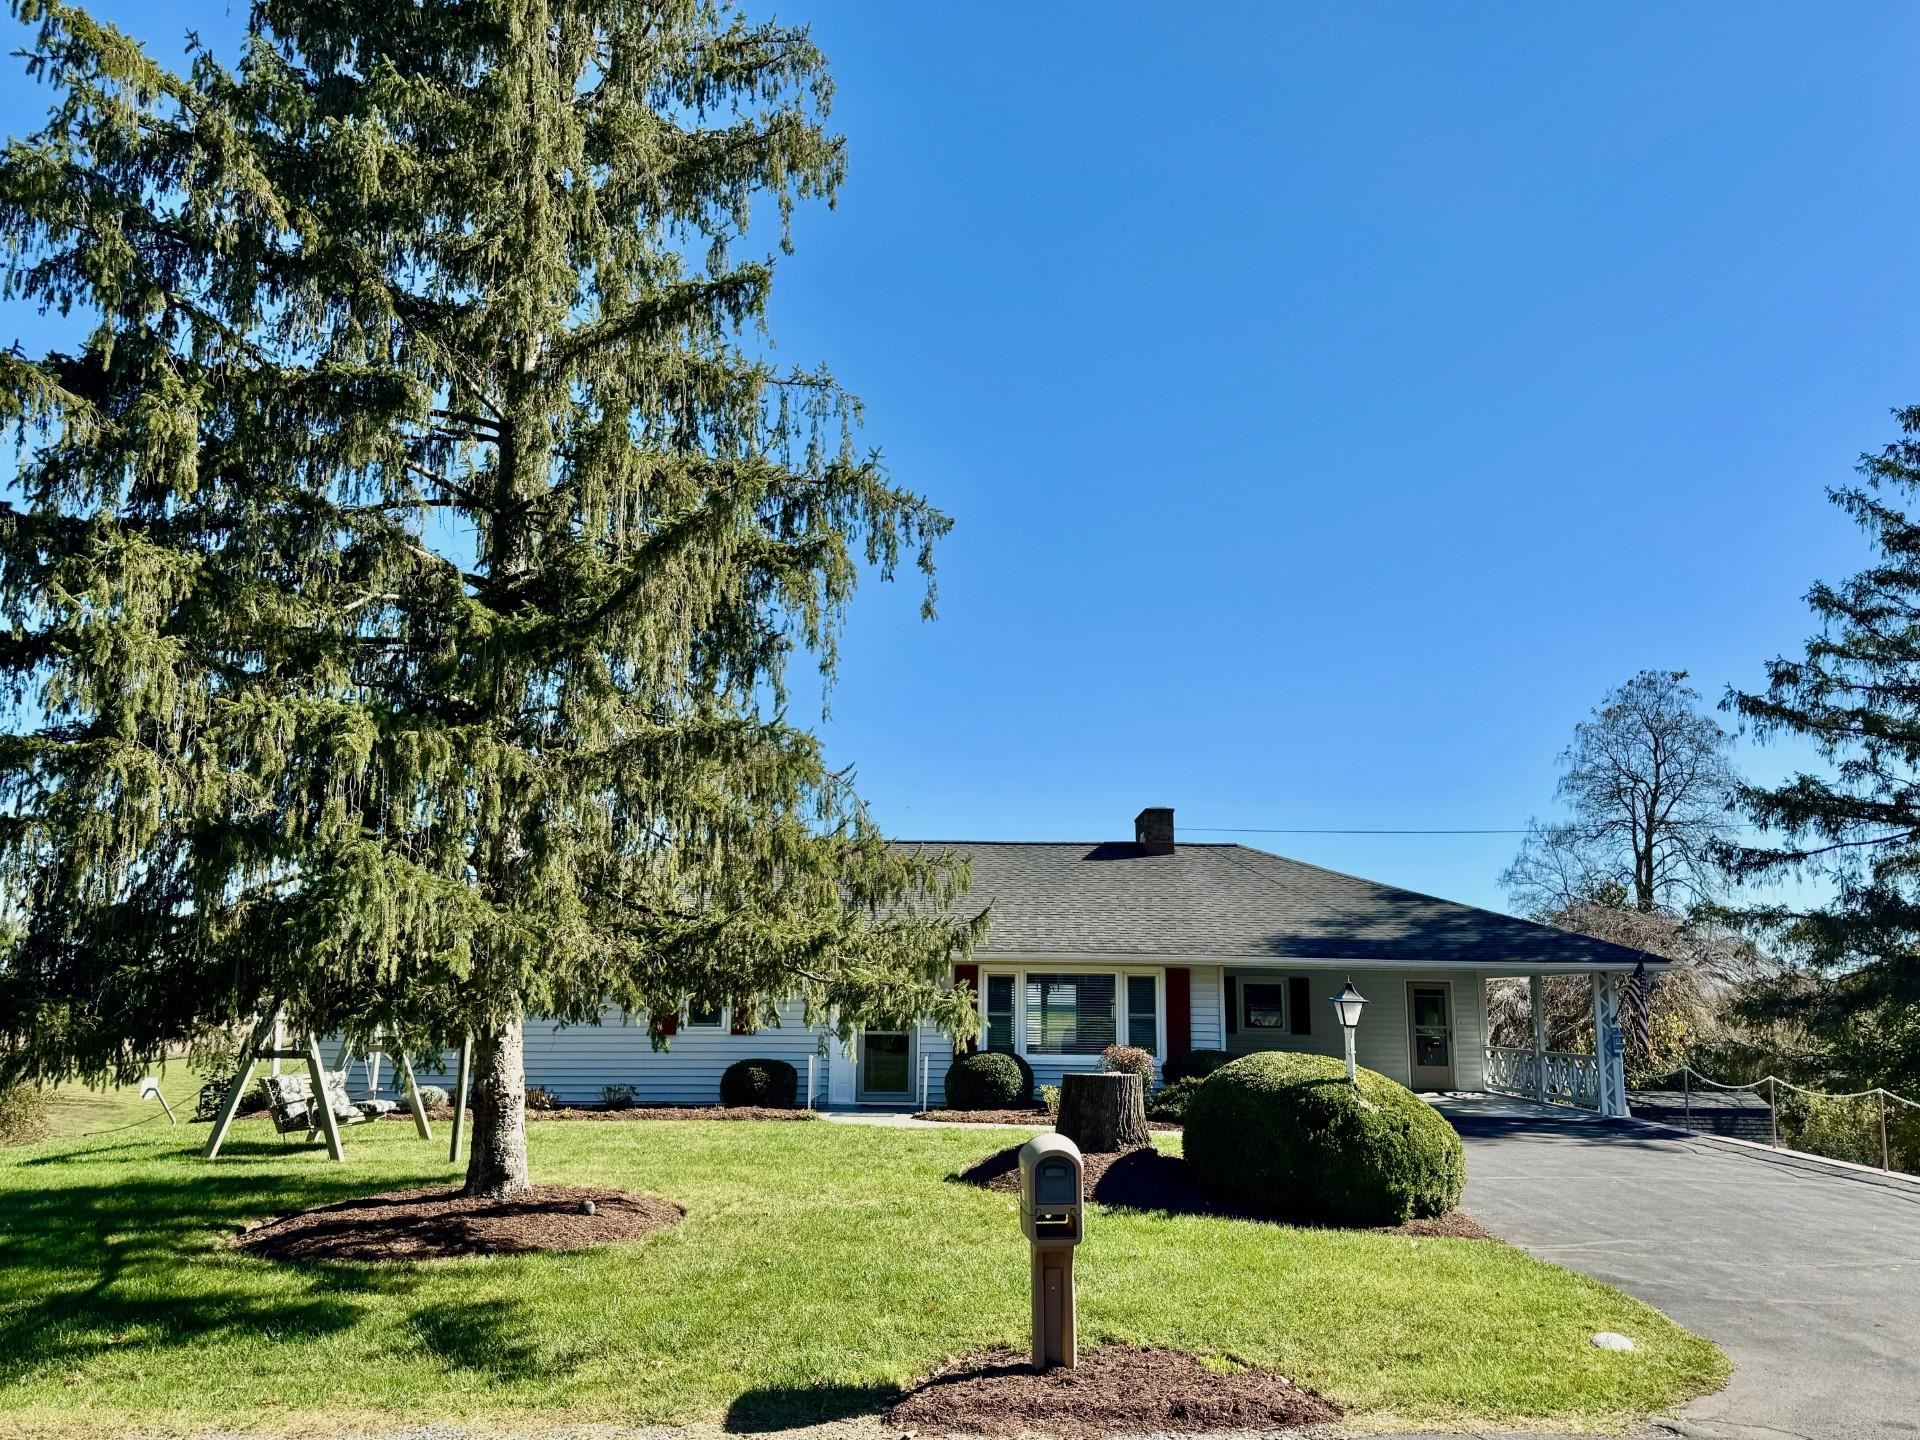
point(1153, 830)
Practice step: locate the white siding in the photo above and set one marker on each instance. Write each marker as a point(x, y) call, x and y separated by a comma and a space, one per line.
point(1206, 1008)
point(1383, 1041)
point(934, 1047)
point(575, 1062)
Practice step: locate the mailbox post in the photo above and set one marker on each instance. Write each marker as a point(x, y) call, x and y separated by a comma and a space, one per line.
point(1052, 1184)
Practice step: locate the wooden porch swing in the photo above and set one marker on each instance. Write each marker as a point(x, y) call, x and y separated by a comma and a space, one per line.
point(316, 1103)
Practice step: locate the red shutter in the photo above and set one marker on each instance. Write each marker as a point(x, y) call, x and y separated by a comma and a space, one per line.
point(1233, 1005)
point(665, 1023)
point(969, 976)
point(742, 1015)
point(1179, 1011)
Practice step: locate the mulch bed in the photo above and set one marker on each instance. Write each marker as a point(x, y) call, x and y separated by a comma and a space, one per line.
point(1150, 1180)
point(673, 1112)
point(1115, 1390)
point(1039, 1118)
point(634, 1112)
point(436, 1224)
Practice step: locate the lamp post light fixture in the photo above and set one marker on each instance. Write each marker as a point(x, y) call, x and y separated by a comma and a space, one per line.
point(1347, 1005)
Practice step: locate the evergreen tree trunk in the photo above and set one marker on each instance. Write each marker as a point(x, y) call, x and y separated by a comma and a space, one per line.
point(1104, 1113)
point(497, 1163)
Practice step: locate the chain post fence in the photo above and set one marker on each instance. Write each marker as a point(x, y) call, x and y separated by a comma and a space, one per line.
point(1876, 1127)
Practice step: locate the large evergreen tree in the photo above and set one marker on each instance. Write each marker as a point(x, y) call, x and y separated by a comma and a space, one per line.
point(405, 559)
point(1854, 695)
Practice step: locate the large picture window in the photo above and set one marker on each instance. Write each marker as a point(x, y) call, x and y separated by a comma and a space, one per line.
point(1070, 1014)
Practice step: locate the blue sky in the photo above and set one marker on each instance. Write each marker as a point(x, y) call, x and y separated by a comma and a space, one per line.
point(1334, 400)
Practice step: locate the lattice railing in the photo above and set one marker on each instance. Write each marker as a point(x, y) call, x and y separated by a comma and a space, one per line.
point(1572, 1079)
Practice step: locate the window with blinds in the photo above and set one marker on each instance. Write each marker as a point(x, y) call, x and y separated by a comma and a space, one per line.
point(999, 1012)
point(1143, 1013)
point(1070, 1014)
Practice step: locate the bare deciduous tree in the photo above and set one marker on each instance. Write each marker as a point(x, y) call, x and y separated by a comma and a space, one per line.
point(1648, 784)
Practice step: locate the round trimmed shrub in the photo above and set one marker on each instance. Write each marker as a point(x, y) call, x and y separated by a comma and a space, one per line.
point(989, 1080)
point(433, 1097)
point(1288, 1134)
point(1194, 1065)
point(772, 1083)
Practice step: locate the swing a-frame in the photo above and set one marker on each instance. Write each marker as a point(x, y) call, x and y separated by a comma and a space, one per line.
point(317, 1102)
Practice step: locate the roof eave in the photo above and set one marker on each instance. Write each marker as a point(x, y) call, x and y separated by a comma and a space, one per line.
point(1493, 968)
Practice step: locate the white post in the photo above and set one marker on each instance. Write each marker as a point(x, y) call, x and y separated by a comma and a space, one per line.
point(1609, 1047)
point(925, 1061)
point(1537, 996)
point(1353, 1074)
point(810, 1060)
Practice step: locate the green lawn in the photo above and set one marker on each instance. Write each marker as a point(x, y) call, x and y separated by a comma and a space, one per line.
point(74, 1109)
point(819, 1266)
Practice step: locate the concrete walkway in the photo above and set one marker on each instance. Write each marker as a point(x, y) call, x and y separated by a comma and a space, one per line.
point(901, 1120)
point(1808, 1277)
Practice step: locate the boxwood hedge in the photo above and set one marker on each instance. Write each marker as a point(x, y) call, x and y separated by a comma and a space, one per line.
point(772, 1083)
point(989, 1080)
point(1288, 1134)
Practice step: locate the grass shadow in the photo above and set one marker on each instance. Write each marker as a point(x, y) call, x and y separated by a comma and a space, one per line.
point(87, 1268)
point(769, 1408)
point(489, 1338)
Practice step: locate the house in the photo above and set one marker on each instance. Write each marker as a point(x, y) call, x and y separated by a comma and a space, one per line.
point(1171, 946)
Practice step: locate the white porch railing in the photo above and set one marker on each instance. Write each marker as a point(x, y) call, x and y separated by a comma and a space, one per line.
point(1571, 1079)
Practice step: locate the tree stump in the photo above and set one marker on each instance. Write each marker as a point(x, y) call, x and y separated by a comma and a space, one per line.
point(1103, 1113)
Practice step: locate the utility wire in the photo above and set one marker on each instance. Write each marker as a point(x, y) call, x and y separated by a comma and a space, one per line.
point(1258, 830)
point(1382, 830)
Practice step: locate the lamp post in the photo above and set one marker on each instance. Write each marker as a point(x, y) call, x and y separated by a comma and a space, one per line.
point(1347, 1005)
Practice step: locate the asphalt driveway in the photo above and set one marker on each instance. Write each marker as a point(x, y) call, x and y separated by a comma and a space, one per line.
point(1808, 1279)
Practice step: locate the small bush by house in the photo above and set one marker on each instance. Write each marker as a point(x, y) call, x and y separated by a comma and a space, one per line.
point(541, 1098)
point(1128, 1060)
point(1287, 1133)
point(1194, 1065)
point(432, 1097)
point(771, 1083)
point(990, 1080)
point(1169, 1103)
point(617, 1097)
point(23, 1114)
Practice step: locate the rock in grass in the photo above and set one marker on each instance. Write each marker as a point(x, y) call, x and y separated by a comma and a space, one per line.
point(1612, 1340)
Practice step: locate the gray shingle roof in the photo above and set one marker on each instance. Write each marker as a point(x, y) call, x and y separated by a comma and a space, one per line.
point(1235, 902)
